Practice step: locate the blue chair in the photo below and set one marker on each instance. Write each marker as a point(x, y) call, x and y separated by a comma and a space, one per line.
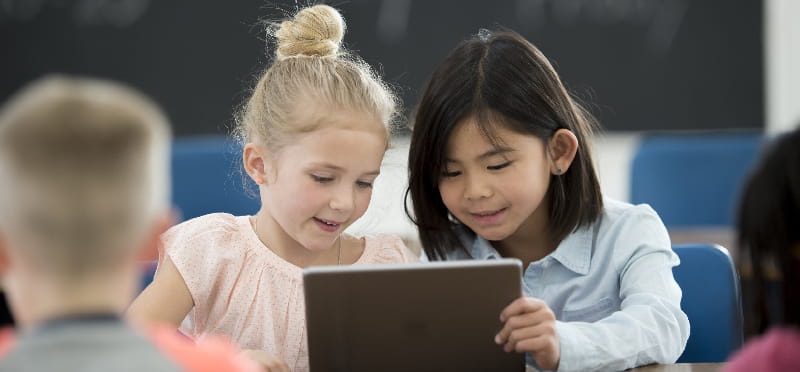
point(207, 177)
point(693, 180)
point(711, 300)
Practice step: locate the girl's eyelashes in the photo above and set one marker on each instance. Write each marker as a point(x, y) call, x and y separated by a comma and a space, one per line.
point(451, 174)
point(447, 174)
point(499, 166)
point(321, 179)
point(326, 179)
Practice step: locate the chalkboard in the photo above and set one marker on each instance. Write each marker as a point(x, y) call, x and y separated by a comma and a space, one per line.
point(639, 64)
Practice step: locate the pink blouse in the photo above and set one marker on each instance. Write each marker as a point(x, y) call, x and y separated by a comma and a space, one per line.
point(243, 290)
point(777, 351)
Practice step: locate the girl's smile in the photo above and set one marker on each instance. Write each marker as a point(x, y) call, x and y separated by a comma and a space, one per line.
point(327, 225)
point(490, 217)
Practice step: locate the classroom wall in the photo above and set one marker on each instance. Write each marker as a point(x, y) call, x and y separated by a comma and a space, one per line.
point(641, 65)
point(782, 64)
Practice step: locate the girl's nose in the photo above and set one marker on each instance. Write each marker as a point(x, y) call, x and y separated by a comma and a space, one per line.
point(342, 200)
point(476, 188)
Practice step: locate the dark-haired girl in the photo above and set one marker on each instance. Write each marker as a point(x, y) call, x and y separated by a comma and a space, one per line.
point(500, 166)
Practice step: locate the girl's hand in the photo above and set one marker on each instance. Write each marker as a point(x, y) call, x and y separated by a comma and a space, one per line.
point(267, 361)
point(530, 326)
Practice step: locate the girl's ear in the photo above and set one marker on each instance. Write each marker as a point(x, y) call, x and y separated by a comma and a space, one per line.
point(562, 147)
point(257, 163)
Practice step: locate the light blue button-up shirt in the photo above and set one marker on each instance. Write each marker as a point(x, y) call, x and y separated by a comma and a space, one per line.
point(611, 287)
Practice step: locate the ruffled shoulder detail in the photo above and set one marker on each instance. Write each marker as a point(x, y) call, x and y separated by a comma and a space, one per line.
point(207, 251)
point(204, 232)
point(385, 248)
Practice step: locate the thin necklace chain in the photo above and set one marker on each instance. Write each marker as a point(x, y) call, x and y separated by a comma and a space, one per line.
point(338, 253)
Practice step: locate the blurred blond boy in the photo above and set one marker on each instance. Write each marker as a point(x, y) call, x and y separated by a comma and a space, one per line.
point(83, 196)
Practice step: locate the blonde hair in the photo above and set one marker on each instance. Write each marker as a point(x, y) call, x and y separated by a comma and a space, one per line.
point(83, 173)
point(311, 67)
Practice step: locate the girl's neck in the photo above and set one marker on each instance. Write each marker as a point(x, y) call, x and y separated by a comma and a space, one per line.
point(531, 242)
point(284, 246)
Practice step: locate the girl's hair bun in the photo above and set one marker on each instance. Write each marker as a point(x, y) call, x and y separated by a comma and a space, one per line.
point(315, 31)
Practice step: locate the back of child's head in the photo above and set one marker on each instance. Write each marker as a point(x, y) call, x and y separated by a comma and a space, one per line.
point(499, 79)
point(769, 230)
point(83, 174)
point(311, 70)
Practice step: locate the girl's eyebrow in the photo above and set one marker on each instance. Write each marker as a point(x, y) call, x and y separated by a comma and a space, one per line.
point(488, 154)
point(337, 168)
point(495, 151)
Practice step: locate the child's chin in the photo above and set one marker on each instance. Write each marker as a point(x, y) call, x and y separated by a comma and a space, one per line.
point(491, 234)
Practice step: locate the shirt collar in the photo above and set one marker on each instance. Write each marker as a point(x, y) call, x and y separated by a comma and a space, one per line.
point(574, 252)
point(71, 320)
point(483, 250)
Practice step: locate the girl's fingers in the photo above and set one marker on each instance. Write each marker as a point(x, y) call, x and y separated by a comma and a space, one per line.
point(518, 335)
point(531, 339)
point(541, 314)
point(520, 306)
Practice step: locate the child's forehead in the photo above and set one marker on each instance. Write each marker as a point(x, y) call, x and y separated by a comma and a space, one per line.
point(345, 144)
point(339, 132)
point(313, 117)
point(485, 132)
point(472, 139)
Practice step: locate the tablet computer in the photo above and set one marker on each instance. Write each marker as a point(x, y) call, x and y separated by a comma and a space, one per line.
point(438, 316)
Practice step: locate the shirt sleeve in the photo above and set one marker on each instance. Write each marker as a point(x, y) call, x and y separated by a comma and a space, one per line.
point(650, 327)
point(391, 249)
point(204, 250)
point(407, 253)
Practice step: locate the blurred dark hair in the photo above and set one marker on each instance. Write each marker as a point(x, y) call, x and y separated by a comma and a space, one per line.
point(498, 79)
point(769, 232)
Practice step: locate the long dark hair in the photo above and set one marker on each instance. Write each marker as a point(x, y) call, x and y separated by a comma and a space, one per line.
point(499, 79)
point(769, 232)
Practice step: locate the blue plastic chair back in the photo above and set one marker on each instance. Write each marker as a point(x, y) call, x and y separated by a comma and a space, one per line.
point(206, 177)
point(711, 300)
point(693, 180)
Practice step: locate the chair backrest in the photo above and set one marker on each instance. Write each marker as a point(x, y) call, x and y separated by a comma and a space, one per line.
point(693, 179)
point(711, 300)
point(206, 177)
